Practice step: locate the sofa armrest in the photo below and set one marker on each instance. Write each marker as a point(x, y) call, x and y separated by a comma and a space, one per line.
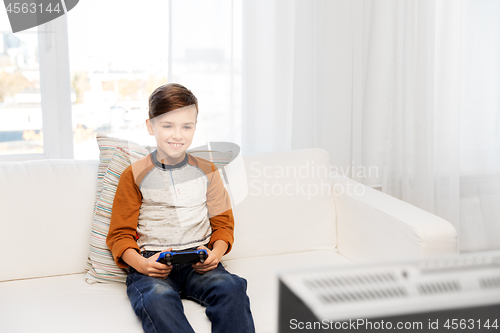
point(374, 226)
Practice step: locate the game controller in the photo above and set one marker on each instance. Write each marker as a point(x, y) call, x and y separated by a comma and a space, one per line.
point(191, 257)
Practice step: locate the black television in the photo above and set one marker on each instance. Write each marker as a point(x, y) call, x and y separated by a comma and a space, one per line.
point(454, 293)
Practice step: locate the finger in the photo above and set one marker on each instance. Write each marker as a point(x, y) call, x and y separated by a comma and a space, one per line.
point(211, 257)
point(161, 266)
point(158, 264)
point(201, 266)
point(205, 269)
point(160, 276)
point(155, 273)
point(210, 261)
point(207, 262)
point(160, 272)
point(206, 249)
point(156, 255)
point(214, 265)
point(161, 269)
point(200, 271)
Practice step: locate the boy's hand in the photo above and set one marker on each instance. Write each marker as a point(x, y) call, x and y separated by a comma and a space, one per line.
point(152, 268)
point(210, 263)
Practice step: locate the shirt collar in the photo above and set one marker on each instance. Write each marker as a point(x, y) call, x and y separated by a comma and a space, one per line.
point(168, 166)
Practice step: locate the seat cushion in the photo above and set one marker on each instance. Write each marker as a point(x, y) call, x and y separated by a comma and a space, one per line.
point(68, 304)
point(262, 273)
point(65, 304)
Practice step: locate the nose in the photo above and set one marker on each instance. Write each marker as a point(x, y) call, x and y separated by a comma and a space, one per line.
point(177, 134)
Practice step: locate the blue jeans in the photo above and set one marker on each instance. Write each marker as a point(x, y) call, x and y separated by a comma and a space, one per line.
point(158, 302)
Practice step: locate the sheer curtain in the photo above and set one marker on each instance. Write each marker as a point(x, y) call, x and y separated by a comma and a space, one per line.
point(407, 87)
point(297, 81)
point(410, 104)
point(432, 81)
point(480, 126)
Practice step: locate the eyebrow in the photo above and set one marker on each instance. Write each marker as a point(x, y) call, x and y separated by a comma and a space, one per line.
point(169, 122)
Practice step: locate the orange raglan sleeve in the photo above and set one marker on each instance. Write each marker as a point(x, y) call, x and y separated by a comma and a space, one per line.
point(220, 212)
point(124, 214)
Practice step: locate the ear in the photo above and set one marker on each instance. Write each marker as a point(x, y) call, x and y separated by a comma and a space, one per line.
point(149, 125)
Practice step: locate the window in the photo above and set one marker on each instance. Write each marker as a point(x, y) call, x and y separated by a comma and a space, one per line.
point(115, 64)
point(91, 71)
point(20, 99)
point(35, 96)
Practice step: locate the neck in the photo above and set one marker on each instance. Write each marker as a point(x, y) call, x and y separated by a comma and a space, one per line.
point(164, 158)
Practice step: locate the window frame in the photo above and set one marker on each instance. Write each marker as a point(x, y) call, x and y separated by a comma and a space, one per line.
point(55, 90)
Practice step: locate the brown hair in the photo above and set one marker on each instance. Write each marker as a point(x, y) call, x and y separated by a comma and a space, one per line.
point(169, 97)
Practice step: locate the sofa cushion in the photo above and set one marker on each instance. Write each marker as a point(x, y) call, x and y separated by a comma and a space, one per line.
point(45, 215)
point(102, 266)
point(67, 304)
point(107, 146)
point(289, 200)
point(262, 275)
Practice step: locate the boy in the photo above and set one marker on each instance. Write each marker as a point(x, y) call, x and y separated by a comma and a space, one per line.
point(173, 201)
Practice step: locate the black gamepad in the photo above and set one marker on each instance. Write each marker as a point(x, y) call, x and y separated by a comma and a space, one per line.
point(191, 257)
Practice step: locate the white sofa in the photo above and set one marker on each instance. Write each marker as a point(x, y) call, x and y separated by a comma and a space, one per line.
point(46, 211)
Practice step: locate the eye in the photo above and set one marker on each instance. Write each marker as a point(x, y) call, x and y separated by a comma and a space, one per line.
point(166, 126)
point(187, 127)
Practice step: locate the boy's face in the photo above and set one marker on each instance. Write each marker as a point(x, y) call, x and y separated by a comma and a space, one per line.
point(173, 132)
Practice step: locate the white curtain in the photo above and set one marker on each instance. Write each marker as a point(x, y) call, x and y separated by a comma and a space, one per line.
point(410, 87)
point(430, 105)
point(480, 126)
point(296, 58)
point(410, 104)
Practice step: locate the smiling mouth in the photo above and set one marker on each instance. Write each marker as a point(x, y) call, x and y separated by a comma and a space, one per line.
point(176, 145)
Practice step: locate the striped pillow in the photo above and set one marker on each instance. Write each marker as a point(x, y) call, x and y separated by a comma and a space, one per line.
point(101, 266)
point(107, 147)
